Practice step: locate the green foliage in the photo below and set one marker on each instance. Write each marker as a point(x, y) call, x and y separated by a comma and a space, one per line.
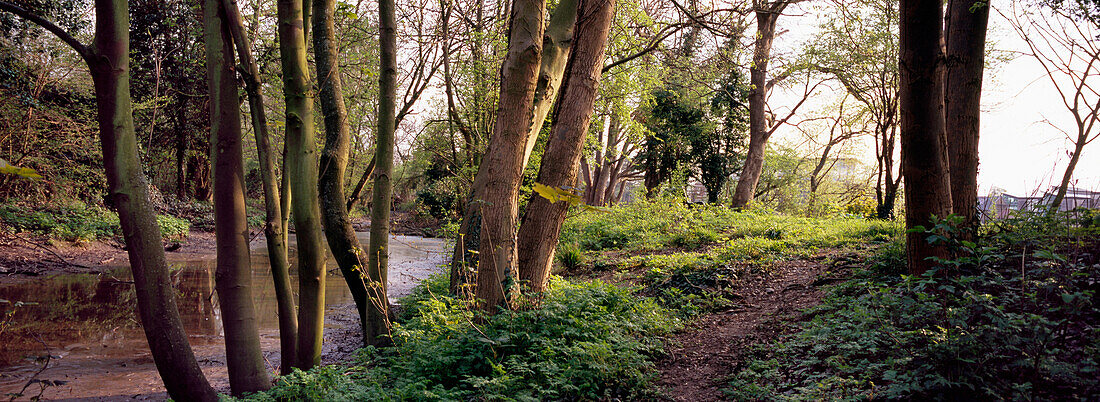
point(1012, 317)
point(78, 221)
point(586, 341)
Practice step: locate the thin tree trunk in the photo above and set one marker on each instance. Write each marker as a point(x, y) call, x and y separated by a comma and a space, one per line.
point(357, 192)
point(334, 160)
point(965, 37)
point(109, 64)
point(766, 16)
point(301, 161)
point(538, 236)
point(923, 147)
point(1063, 186)
point(503, 161)
point(233, 275)
point(378, 251)
point(274, 226)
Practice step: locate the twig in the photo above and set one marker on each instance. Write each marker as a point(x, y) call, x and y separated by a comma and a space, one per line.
point(35, 376)
point(55, 254)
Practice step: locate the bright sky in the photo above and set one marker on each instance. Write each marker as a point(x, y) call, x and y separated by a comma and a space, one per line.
point(1018, 151)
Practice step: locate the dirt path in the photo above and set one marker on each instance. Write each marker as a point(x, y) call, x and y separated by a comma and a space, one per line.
point(706, 353)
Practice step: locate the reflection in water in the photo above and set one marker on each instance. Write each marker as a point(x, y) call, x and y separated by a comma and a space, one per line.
point(88, 323)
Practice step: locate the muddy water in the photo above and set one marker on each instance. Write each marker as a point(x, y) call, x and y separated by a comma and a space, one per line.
point(86, 325)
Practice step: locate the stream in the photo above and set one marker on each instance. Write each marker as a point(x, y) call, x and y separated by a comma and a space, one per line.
point(84, 330)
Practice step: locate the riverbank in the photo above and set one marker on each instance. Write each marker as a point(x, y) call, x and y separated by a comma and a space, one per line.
point(77, 336)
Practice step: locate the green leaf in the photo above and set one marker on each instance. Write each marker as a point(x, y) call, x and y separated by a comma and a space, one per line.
point(27, 173)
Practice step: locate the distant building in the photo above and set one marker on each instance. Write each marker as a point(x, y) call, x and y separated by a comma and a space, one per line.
point(1001, 206)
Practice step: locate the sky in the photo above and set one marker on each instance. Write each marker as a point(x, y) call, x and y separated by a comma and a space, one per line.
point(1019, 150)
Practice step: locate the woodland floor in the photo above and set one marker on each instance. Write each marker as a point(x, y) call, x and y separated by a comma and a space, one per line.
point(700, 359)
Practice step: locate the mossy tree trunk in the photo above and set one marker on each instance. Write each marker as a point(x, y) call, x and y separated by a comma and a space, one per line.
point(301, 163)
point(334, 160)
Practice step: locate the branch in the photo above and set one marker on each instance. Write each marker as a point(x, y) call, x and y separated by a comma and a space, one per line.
point(80, 48)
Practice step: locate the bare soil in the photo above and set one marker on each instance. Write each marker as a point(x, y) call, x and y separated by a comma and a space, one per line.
point(700, 359)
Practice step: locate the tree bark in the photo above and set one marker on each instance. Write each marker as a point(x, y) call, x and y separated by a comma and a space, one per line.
point(301, 161)
point(274, 226)
point(766, 16)
point(551, 67)
point(541, 228)
point(109, 64)
point(965, 37)
point(342, 242)
point(923, 143)
point(555, 52)
point(378, 251)
point(233, 273)
point(503, 162)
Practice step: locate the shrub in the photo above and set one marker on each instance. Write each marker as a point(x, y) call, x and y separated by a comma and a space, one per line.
point(584, 341)
point(79, 222)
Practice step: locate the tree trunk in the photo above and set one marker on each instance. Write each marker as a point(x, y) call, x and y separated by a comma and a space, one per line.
point(334, 160)
point(551, 66)
point(923, 146)
point(965, 37)
point(109, 64)
point(555, 52)
point(1063, 186)
point(378, 251)
point(766, 17)
point(503, 161)
point(357, 192)
point(301, 161)
point(233, 274)
point(538, 236)
point(274, 226)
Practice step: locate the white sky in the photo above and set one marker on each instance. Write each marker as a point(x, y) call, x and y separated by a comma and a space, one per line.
point(1018, 151)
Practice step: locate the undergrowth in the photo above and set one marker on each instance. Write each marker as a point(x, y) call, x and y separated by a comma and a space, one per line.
point(584, 341)
point(77, 221)
point(1013, 317)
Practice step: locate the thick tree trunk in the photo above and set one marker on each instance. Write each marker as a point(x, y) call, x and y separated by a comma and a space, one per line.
point(551, 66)
point(109, 64)
point(923, 143)
point(503, 161)
point(378, 251)
point(301, 161)
point(274, 227)
point(233, 275)
point(555, 52)
point(538, 236)
point(965, 37)
point(766, 17)
point(334, 160)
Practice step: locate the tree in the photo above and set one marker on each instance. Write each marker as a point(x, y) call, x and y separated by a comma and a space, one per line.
point(860, 50)
point(378, 250)
point(964, 35)
point(334, 160)
point(673, 123)
point(1070, 54)
point(767, 13)
point(274, 221)
point(108, 60)
point(923, 142)
point(233, 277)
point(503, 160)
point(301, 161)
point(541, 227)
